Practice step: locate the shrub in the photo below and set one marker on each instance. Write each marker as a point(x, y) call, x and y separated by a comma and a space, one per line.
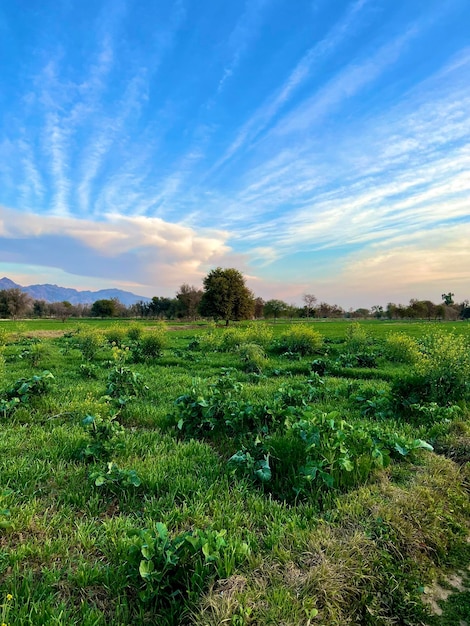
point(115, 334)
point(151, 345)
point(134, 331)
point(89, 342)
point(402, 348)
point(441, 375)
point(356, 336)
point(445, 367)
point(300, 339)
point(230, 339)
point(253, 357)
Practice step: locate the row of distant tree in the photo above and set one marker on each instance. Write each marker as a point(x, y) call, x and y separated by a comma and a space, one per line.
point(226, 297)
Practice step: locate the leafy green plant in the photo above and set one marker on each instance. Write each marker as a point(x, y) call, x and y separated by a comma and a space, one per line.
point(259, 469)
point(363, 358)
point(115, 479)
point(7, 406)
point(88, 370)
point(320, 366)
point(25, 388)
point(174, 568)
point(203, 408)
point(124, 384)
point(431, 412)
point(339, 455)
point(299, 393)
point(106, 435)
point(378, 406)
point(35, 353)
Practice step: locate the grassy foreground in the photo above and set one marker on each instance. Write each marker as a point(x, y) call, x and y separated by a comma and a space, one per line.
point(263, 474)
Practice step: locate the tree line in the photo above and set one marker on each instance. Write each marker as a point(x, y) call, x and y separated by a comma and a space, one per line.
point(224, 297)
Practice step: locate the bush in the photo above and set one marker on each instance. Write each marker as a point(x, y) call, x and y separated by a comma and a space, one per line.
point(134, 331)
point(445, 367)
point(402, 348)
point(230, 339)
point(151, 345)
point(89, 342)
point(441, 375)
point(253, 357)
point(356, 336)
point(115, 334)
point(300, 339)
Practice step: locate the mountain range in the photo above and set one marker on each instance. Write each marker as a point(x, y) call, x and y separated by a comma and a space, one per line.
point(54, 293)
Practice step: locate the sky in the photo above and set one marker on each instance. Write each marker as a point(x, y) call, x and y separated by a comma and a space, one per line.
point(318, 146)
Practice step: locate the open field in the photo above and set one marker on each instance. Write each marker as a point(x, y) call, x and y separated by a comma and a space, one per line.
point(293, 474)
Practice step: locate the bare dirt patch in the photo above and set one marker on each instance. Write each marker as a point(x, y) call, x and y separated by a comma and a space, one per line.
point(45, 333)
point(434, 594)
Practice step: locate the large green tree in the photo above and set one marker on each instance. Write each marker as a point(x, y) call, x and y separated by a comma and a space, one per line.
point(104, 308)
point(226, 296)
point(275, 308)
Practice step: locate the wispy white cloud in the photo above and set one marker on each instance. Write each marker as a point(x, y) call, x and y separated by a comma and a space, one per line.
point(32, 187)
point(56, 140)
point(345, 27)
point(109, 130)
point(409, 167)
point(242, 36)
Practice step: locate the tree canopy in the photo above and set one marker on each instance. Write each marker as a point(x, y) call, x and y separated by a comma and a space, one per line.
point(226, 296)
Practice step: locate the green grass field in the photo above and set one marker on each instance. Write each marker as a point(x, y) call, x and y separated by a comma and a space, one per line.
point(293, 474)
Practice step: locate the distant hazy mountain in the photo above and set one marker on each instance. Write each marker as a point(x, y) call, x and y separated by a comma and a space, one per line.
point(53, 293)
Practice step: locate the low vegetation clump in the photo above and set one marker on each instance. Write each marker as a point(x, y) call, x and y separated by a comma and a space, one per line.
point(301, 339)
point(150, 346)
point(255, 474)
point(401, 348)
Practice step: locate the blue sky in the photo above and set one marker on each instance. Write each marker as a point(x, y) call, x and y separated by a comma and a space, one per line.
point(319, 146)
